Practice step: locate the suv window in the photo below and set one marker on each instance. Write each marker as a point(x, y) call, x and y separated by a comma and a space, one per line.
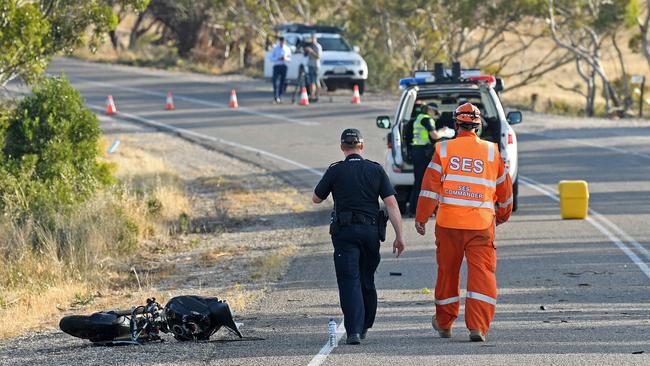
point(334, 44)
point(448, 101)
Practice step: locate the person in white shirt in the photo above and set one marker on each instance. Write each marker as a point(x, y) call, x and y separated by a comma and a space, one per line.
point(281, 57)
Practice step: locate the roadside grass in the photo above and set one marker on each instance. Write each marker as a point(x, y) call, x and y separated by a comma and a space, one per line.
point(211, 255)
point(26, 310)
point(239, 298)
point(272, 265)
point(243, 201)
point(109, 251)
point(45, 267)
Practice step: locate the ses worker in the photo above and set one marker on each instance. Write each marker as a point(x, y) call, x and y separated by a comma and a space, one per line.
point(469, 189)
point(357, 227)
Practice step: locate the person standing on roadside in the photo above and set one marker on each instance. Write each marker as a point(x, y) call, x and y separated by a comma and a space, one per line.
point(424, 136)
point(469, 189)
point(281, 57)
point(357, 227)
point(314, 51)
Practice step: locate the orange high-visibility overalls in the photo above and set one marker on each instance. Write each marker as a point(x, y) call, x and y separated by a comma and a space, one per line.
point(469, 186)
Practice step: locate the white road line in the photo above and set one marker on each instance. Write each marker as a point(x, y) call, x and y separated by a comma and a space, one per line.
point(327, 349)
point(622, 233)
point(594, 221)
point(592, 144)
point(210, 138)
point(202, 102)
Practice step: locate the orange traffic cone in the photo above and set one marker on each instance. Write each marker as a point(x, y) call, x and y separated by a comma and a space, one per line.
point(356, 98)
point(233, 99)
point(110, 105)
point(304, 99)
point(169, 104)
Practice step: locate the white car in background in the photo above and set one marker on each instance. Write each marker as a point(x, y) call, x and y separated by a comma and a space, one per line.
point(448, 89)
point(341, 64)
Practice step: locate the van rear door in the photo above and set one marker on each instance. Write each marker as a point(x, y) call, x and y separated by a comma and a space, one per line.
point(403, 112)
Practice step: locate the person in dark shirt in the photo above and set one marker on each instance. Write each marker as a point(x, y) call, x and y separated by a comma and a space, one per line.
point(356, 184)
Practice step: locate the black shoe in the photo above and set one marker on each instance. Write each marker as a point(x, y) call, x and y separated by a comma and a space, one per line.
point(354, 338)
point(364, 334)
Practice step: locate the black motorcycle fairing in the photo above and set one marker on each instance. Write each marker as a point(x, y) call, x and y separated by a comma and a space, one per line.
point(192, 317)
point(97, 327)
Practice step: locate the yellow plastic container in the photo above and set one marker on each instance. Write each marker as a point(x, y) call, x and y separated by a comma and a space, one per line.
point(574, 199)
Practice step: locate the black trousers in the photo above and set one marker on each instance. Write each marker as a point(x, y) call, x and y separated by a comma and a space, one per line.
point(356, 257)
point(279, 79)
point(421, 156)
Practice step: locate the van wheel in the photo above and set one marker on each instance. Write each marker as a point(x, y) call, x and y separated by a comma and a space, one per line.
point(515, 194)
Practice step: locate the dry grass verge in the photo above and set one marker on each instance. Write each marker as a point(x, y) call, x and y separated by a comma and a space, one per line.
point(271, 266)
point(204, 234)
point(46, 267)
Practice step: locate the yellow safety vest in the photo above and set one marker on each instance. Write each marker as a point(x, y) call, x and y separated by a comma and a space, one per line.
point(420, 133)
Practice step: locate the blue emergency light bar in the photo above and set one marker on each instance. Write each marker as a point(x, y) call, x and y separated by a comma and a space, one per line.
point(406, 82)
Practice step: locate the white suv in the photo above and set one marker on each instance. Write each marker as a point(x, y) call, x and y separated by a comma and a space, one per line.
point(341, 64)
point(448, 89)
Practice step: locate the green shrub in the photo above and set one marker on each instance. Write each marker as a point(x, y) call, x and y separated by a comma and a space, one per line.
point(50, 151)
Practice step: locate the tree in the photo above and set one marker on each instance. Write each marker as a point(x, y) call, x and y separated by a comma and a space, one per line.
point(22, 37)
point(581, 27)
point(184, 19)
point(122, 8)
point(641, 42)
point(31, 32)
point(475, 31)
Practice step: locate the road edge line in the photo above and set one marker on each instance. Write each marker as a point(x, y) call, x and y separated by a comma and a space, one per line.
point(327, 349)
point(533, 184)
point(202, 102)
point(182, 131)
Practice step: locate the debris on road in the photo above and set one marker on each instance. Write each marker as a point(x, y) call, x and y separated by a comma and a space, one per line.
point(395, 273)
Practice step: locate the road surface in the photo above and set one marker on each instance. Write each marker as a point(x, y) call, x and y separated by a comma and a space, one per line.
point(592, 276)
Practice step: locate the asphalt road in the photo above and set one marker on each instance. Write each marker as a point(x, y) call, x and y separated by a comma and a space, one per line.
point(592, 276)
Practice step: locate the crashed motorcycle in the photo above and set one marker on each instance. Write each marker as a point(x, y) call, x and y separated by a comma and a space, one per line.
point(188, 318)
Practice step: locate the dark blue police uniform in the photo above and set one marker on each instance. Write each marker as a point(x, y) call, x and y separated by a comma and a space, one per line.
point(356, 185)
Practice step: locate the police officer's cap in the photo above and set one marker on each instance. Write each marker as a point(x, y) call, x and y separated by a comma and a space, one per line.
point(351, 136)
point(432, 106)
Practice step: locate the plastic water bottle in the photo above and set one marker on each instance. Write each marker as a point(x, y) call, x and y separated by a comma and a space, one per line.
point(331, 332)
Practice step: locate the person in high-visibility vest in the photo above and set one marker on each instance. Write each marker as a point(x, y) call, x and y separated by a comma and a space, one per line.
point(468, 188)
point(424, 135)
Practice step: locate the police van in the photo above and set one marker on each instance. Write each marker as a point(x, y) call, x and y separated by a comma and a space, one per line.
point(448, 89)
point(341, 64)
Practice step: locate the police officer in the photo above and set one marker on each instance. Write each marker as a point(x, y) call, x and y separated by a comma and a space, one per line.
point(356, 228)
point(424, 135)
